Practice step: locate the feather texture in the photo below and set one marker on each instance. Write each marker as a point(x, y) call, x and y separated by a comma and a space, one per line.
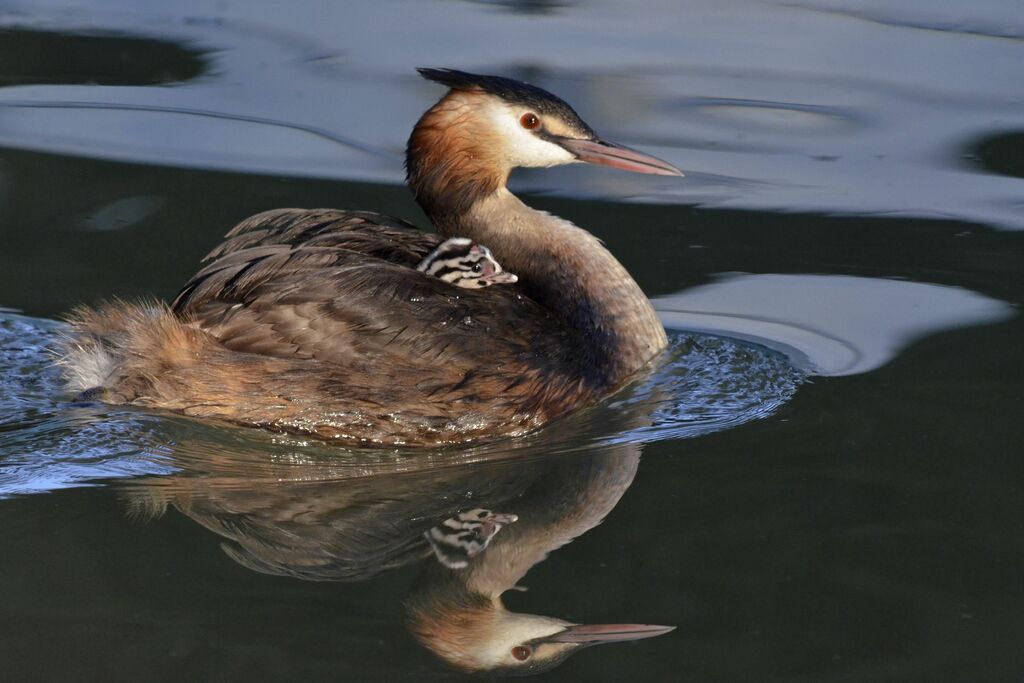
point(317, 322)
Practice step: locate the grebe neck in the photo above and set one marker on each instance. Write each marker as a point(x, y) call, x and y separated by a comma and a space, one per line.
point(568, 271)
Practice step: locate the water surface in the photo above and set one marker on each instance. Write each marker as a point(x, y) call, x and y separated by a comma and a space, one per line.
point(821, 481)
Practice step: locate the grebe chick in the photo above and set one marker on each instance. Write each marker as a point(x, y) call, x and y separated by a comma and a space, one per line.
point(460, 262)
point(459, 539)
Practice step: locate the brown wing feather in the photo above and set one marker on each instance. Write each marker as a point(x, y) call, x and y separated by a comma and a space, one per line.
point(365, 336)
point(336, 305)
point(365, 232)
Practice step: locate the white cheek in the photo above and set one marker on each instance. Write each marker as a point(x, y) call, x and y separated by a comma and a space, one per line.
point(522, 147)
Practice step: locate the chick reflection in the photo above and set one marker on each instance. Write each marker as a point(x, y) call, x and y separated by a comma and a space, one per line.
point(457, 611)
point(477, 528)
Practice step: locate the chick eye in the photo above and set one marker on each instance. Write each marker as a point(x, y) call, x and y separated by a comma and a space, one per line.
point(477, 267)
point(529, 121)
point(521, 652)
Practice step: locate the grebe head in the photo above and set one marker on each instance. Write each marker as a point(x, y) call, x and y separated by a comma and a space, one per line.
point(488, 638)
point(461, 262)
point(466, 145)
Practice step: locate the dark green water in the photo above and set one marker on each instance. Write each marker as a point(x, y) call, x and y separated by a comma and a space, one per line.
point(823, 482)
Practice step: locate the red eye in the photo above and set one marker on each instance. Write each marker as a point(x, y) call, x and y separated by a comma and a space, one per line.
point(521, 652)
point(529, 121)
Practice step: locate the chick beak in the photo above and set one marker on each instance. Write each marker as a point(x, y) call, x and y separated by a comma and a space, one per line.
point(605, 153)
point(501, 277)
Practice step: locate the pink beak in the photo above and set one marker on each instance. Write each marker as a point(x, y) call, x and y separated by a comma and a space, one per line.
point(502, 277)
point(595, 634)
point(609, 154)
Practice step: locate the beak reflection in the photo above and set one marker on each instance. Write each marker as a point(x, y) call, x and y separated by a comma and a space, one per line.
point(596, 634)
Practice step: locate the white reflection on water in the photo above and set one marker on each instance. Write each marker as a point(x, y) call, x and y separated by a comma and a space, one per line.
point(807, 106)
point(830, 324)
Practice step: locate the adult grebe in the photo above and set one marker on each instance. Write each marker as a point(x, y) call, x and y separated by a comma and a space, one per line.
point(318, 322)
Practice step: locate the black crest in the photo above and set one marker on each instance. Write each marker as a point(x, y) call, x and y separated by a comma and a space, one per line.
point(509, 90)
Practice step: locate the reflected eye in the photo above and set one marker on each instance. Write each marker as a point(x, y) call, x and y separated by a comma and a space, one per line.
point(529, 121)
point(521, 652)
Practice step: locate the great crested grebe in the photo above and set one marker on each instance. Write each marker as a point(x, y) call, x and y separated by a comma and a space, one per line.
point(461, 262)
point(317, 321)
point(475, 531)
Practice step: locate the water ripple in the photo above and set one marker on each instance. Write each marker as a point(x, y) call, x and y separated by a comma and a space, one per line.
point(702, 384)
